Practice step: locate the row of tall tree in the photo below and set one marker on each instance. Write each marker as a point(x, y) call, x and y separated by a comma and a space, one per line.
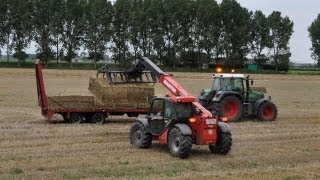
point(314, 34)
point(173, 33)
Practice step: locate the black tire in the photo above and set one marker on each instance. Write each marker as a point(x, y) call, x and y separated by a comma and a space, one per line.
point(179, 144)
point(98, 118)
point(205, 104)
point(139, 137)
point(132, 114)
point(76, 118)
point(267, 111)
point(220, 108)
point(223, 144)
point(65, 117)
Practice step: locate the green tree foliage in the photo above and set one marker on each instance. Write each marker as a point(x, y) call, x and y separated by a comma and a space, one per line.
point(174, 33)
point(120, 30)
point(235, 32)
point(57, 24)
point(281, 29)
point(3, 22)
point(259, 37)
point(73, 27)
point(314, 34)
point(208, 31)
point(43, 28)
point(98, 19)
point(21, 26)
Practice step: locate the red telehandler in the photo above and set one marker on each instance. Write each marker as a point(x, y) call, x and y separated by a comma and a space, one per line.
point(176, 120)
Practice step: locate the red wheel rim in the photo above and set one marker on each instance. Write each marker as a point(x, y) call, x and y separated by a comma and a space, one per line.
point(230, 109)
point(267, 112)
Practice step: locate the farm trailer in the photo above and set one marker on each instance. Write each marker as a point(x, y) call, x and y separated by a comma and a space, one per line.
point(73, 112)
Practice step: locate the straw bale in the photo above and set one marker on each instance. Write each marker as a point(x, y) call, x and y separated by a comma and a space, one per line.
point(120, 104)
point(106, 92)
point(71, 102)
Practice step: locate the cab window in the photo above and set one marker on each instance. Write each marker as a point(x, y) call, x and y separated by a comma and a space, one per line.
point(216, 84)
point(157, 108)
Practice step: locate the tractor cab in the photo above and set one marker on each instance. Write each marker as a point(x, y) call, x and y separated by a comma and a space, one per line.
point(226, 82)
point(163, 113)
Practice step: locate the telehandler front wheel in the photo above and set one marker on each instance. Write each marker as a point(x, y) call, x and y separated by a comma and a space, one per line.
point(179, 144)
point(139, 137)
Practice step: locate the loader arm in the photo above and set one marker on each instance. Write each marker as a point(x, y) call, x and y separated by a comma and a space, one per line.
point(180, 94)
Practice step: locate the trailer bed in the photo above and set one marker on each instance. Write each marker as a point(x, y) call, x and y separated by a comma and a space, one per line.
point(85, 107)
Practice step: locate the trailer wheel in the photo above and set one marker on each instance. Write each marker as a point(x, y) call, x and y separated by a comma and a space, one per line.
point(179, 144)
point(98, 118)
point(76, 118)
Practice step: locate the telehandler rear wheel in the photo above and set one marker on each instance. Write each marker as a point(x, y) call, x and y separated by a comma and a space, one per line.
point(179, 144)
point(223, 144)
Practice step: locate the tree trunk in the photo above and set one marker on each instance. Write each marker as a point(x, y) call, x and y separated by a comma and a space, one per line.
point(8, 44)
point(57, 50)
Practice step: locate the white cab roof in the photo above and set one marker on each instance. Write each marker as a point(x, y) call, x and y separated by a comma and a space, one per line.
point(228, 75)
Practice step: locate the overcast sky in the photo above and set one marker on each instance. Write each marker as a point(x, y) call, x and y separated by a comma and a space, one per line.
point(301, 12)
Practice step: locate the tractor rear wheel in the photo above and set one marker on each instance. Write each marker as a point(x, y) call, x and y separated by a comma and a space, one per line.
point(179, 144)
point(267, 111)
point(76, 118)
point(229, 107)
point(223, 144)
point(139, 137)
point(98, 118)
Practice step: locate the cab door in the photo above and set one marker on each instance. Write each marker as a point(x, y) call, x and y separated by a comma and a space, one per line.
point(160, 115)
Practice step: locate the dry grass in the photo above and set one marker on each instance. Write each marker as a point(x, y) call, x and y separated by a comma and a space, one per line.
point(31, 147)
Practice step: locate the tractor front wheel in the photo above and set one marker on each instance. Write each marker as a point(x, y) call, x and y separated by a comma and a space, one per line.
point(179, 144)
point(230, 107)
point(223, 144)
point(267, 111)
point(139, 137)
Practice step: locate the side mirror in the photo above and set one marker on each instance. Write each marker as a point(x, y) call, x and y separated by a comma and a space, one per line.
point(251, 82)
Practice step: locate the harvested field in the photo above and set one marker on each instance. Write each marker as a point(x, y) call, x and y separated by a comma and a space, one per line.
point(31, 147)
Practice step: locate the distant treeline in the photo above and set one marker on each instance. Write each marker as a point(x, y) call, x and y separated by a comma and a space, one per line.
point(174, 33)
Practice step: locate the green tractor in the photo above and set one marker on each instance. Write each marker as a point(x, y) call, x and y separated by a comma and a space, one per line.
point(232, 97)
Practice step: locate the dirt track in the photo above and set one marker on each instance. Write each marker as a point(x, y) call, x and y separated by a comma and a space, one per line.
point(32, 147)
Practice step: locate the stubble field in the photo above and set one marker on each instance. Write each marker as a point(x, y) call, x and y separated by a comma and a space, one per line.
point(32, 147)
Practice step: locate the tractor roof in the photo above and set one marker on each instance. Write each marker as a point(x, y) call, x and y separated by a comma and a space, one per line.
point(225, 75)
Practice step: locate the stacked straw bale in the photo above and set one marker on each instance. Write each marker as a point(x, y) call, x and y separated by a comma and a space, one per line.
point(70, 102)
point(120, 95)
